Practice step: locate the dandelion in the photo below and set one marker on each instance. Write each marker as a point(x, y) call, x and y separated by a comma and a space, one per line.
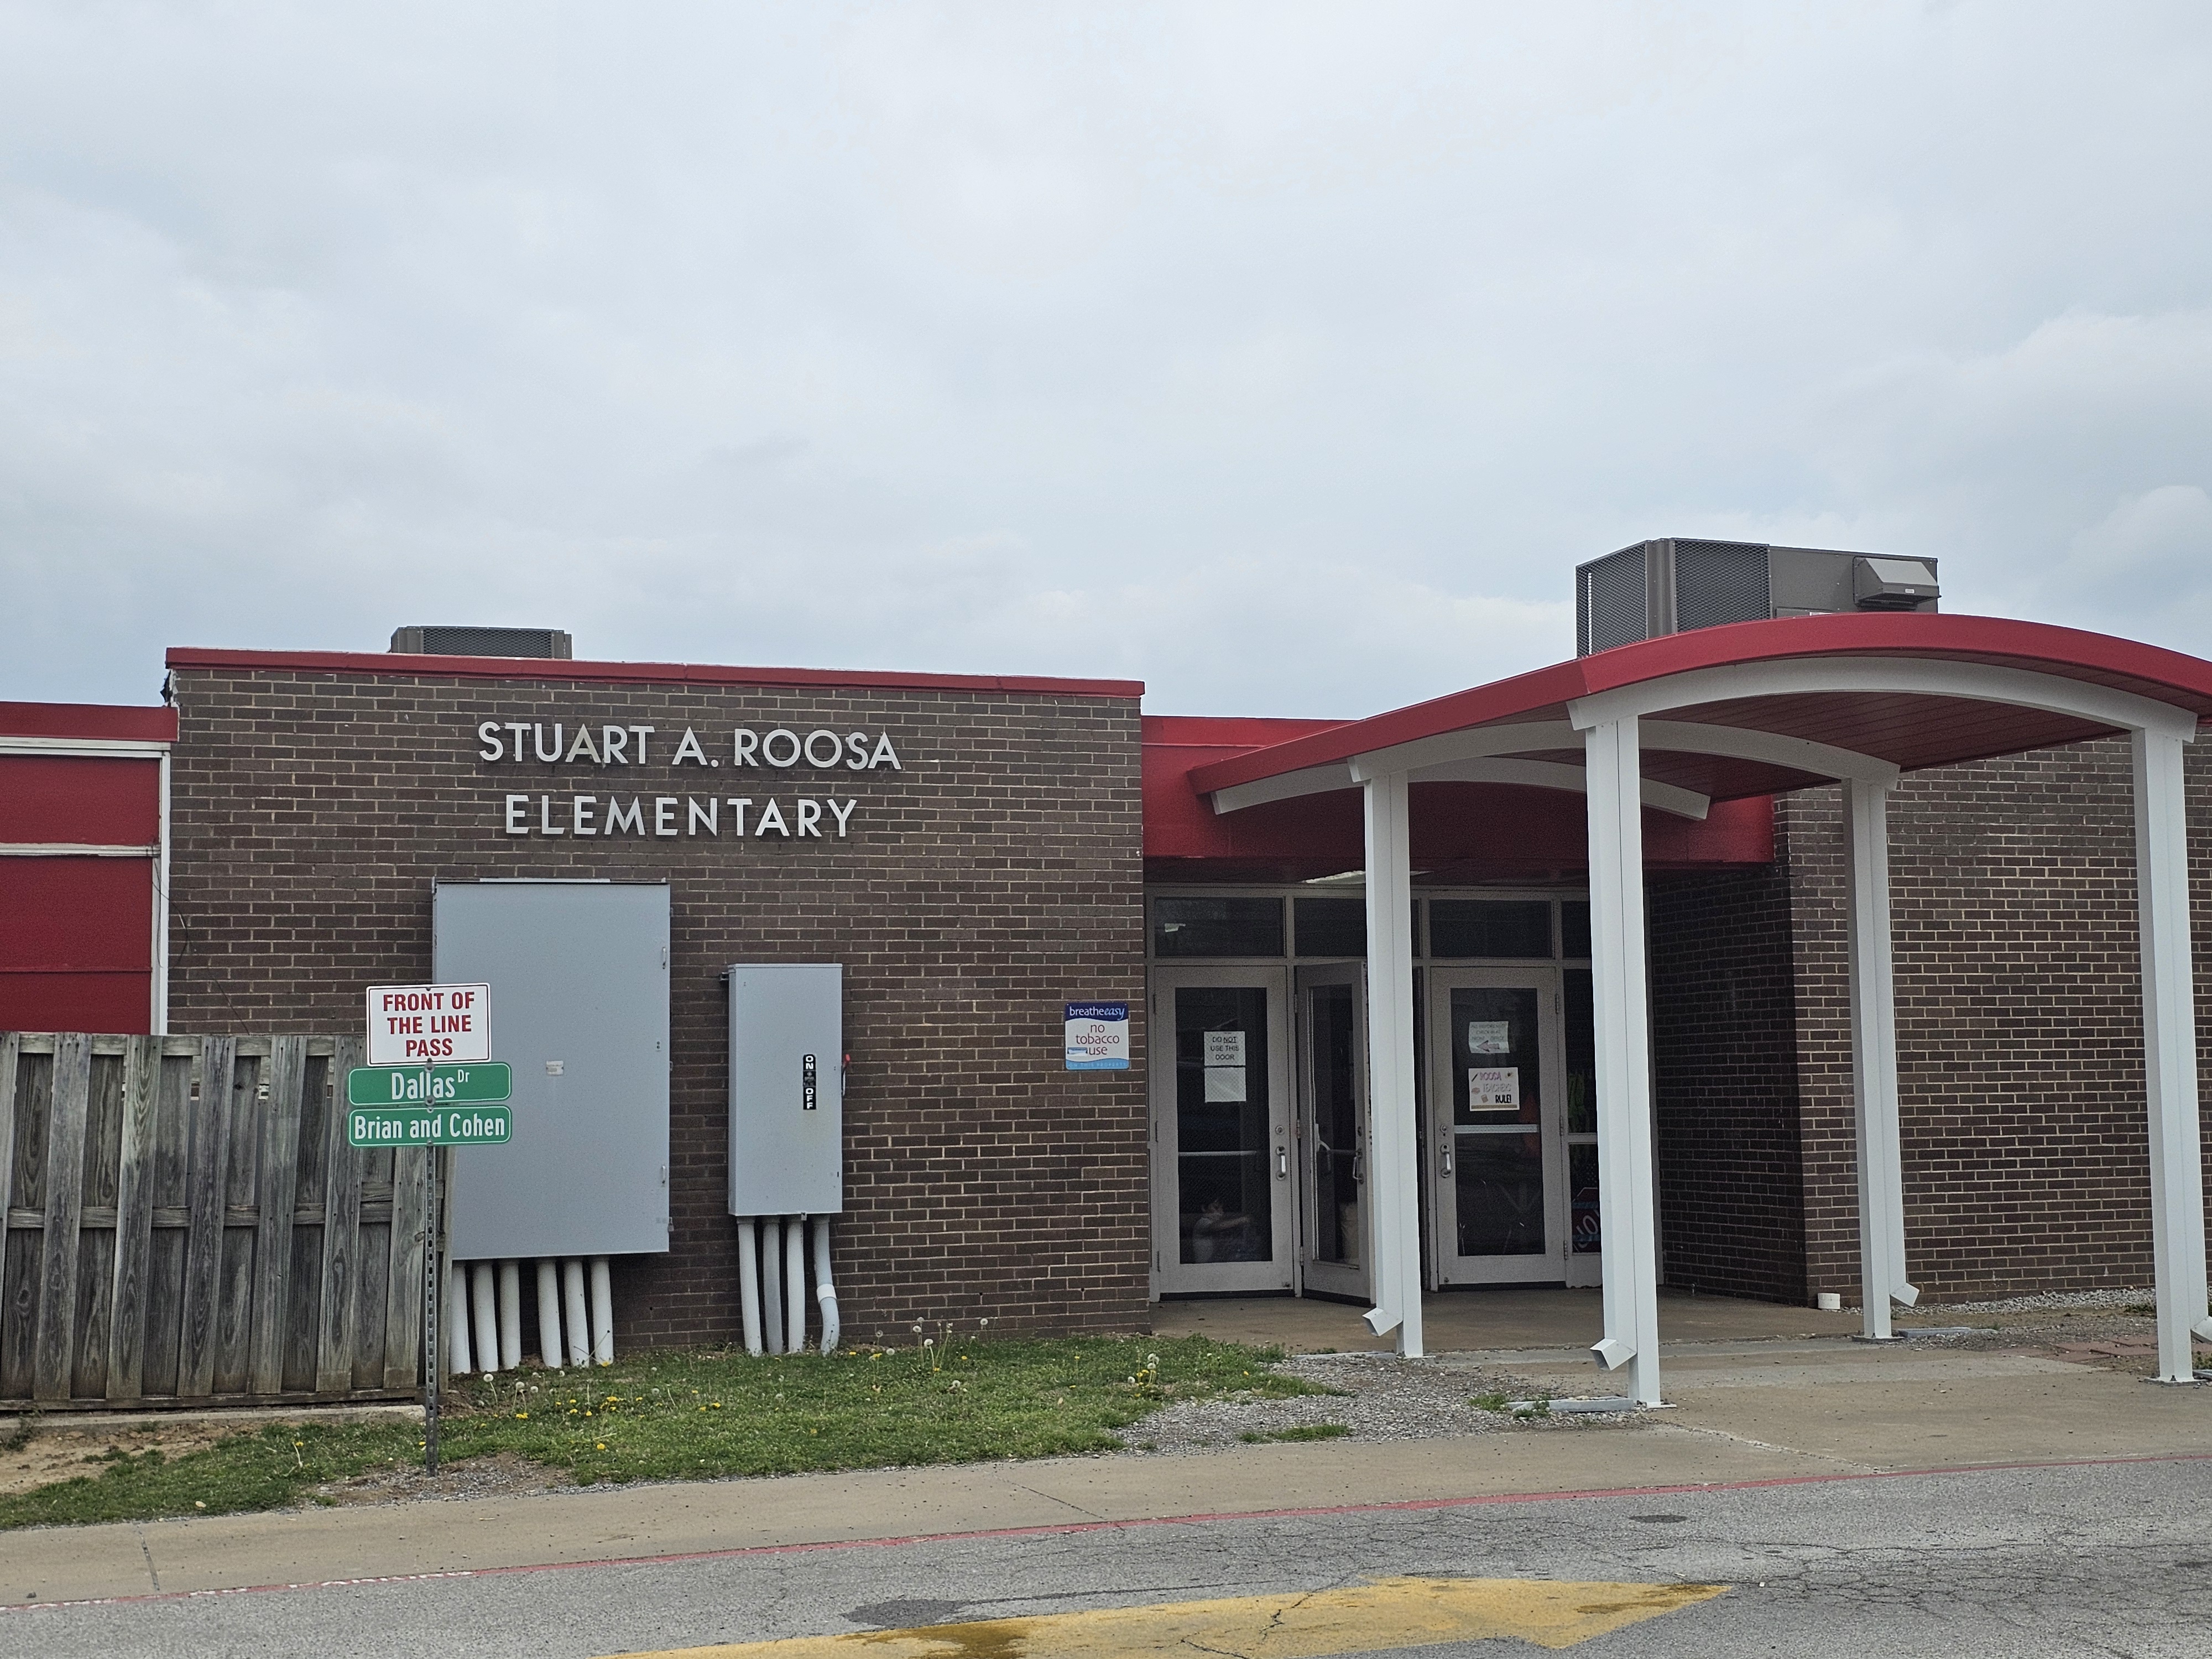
point(520, 1415)
point(602, 1445)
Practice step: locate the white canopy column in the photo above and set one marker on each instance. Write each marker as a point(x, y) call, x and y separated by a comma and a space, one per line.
point(1874, 1061)
point(1627, 1210)
point(2177, 1167)
point(1393, 1144)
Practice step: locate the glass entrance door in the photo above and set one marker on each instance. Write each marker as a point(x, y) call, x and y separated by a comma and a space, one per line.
point(1223, 1214)
point(1497, 1130)
point(1332, 1128)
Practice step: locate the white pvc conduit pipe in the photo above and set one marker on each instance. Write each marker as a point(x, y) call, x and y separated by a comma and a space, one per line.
point(771, 1299)
point(549, 1316)
point(825, 1291)
point(457, 1320)
point(510, 1315)
point(794, 1279)
point(749, 1282)
point(572, 1313)
point(602, 1313)
point(487, 1312)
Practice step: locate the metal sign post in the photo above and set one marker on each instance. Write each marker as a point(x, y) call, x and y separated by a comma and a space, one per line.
point(434, 1279)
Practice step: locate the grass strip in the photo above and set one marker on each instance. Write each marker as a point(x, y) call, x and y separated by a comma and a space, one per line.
point(704, 1413)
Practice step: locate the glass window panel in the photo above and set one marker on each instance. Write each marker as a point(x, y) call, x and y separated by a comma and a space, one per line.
point(1490, 928)
point(1217, 926)
point(1582, 1206)
point(1582, 1052)
point(1224, 1196)
point(1331, 927)
point(1574, 929)
point(1500, 1188)
point(1337, 1171)
point(1497, 1058)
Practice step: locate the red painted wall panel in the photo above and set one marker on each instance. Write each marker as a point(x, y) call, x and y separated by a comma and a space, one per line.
point(76, 945)
point(117, 1004)
point(108, 803)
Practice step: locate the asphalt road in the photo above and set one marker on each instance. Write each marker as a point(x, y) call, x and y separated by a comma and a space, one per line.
point(2107, 1559)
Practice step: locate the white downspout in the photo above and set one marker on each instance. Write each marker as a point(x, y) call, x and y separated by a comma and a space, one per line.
point(794, 1275)
point(602, 1313)
point(771, 1299)
point(549, 1316)
point(825, 1291)
point(577, 1326)
point(749, 1281)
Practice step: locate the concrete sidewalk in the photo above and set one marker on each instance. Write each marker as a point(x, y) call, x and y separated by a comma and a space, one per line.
point(1748, 1411)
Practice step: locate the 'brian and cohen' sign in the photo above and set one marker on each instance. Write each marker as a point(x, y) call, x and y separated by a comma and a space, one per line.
point(711, 810)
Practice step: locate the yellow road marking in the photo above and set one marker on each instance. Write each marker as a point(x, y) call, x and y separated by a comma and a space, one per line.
point(1386, 1613)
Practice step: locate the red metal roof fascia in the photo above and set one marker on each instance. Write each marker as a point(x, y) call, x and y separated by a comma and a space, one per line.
point(557, 671)
point(1524, 696)
point(92, 720)
point(1228, 731)
point(2150, 671)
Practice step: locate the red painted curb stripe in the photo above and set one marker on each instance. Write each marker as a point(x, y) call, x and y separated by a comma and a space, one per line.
point(1054, 1529)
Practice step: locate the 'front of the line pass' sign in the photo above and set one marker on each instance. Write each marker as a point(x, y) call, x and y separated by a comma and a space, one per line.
point(1097, 1036)
point(428, 1024)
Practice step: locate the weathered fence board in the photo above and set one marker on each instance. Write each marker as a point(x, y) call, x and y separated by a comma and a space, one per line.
point(68, 1108)
point(182, 1219)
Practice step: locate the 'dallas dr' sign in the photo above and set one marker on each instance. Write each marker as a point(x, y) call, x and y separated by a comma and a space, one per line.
point(747, 758)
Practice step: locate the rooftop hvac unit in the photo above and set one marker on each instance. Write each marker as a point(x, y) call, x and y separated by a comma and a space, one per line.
point(1671, 586)
point(456, 641)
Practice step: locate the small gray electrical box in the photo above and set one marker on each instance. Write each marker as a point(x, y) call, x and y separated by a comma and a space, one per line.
point(786, 1089)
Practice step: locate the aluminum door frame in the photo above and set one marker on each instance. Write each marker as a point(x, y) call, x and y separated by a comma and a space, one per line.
point(1171, 1275)
point(1329, 1278)
point(1551, 1266)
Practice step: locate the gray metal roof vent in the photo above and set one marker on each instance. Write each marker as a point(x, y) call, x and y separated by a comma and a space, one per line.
point(455, 642)
point(1670, 587)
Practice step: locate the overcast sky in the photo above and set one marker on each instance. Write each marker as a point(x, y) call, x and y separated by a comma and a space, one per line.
point(1285, 357)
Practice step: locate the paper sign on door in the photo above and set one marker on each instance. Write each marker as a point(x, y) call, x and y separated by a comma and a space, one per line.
point(1493, 1086)
point(1489, 1037)
point(1225, 1048)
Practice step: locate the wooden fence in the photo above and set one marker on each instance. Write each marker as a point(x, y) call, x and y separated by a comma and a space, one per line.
point(184, 1222)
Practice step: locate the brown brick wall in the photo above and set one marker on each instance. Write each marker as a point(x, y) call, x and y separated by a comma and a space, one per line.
point(1725, 1139)
point(994, 878)
point(2019, 1033)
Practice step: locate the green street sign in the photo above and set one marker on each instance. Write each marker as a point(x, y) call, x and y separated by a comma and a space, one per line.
point(430, 1086)
point(429, 1125)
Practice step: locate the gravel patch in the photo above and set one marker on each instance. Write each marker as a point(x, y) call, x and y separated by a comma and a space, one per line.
point(1375, 1397)
point(2046, 1300)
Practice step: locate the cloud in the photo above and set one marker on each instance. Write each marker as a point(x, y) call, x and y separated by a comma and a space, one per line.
point(1286, 358)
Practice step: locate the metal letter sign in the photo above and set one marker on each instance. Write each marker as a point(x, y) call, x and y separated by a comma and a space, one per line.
point(428, 1024)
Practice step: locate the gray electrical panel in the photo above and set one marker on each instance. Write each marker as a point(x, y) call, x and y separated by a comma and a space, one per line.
point(786, 1089)
point(579, 977)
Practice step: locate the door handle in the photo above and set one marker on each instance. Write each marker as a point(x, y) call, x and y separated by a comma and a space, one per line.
point(1282, 1163)
point(1444, 1165)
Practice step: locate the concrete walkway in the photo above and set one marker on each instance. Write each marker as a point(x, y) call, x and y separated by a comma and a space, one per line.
point(1508, 1318)
point(1747, 1409)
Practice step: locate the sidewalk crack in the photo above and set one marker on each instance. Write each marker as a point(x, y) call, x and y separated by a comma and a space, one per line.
point(1768, 1445)
point(1055, 1498)
point(146, 1551)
